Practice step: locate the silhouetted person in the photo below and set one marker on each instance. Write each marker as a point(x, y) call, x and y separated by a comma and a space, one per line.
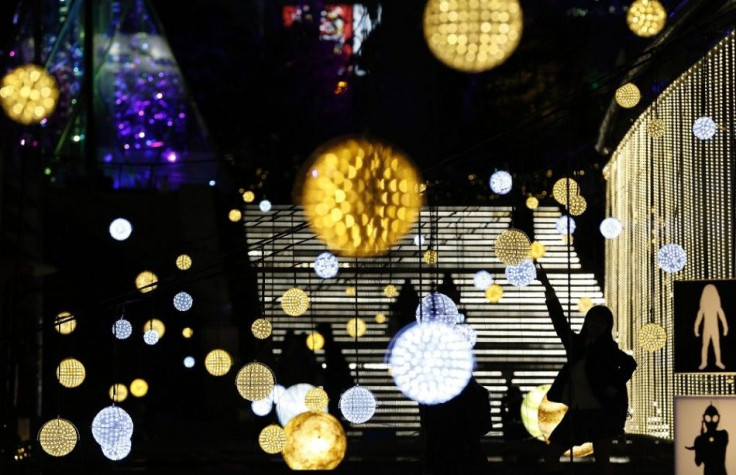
point(403, 310)
point(592, 384)
point(709, 313)
point(297, 363)
point(337, 377)
point(449, 288)
point(710, 445)
point(513, 427)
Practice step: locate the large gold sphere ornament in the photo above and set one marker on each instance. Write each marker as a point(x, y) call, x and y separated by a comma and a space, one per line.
point(261, 328)
point(272, 439)
point(58, 437)
point(146, 281)
point(494, 293)
point(430, 257)
point(316, 399)
point(651, 337)
point(295, 302)
point(157, 325)
point(628, 95)
point(314, 441)
point(315, 341)
point(138, 387)
point(646, 18)
point(512, 247)
point(255, 381)
point(390, 291)
point(560, 190)
point(532, 203)
point(65, 323)
point(28, 94)
point(235, 215)
point(356, 327)
point(473, 35)
point(70, 373)
point(118, 392)
point(537, 250)
point(549, 415)
point(183, 262)
point(656, 128)
point(578, 205)
point(360, 196)
point(249, 196)
point(218, 362)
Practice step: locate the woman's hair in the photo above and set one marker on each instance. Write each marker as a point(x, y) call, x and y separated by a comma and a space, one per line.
point(604, 313)
point(710, 301)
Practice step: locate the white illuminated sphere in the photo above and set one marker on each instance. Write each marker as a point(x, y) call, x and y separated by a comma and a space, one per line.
point(122, 329)
point(151, 337)
point(501, 182)
point(482, 280)
point(430, 363)
point(120, 229)
point(326, 265)
point(611, 228)
point(671, 258)
point(437, 307)
point(467, 332)
point(419, 240)
point(521, 275)
point(183, 301)
point(111, 426)
point(264, 206)
point(561, 225)
point(117, 451)
point(291, 403)
point(261, 407)
point(357, 404)
point(189, 362)
point(277, 393)
point(704, 128)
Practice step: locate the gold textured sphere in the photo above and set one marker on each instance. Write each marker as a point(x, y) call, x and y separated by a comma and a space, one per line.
point(272, 439)
point(146, 281)
point(628, 95)
point(473, 35)
point(350, 291)
point(315, 341)
point(235, 215)
point(656, 128)
point(512, 247)
point(430, 257)
point(155, 324)
point(183, 262)
point(578, 205)
point(261, 328)
point(356, 327)
point(314, 441)
point(138, 387)
point(65, 323)
point(494, 293)
point(390, 291)
point(255, 381)
point(295, 302)
point(28, 94)
point(532, 202)
point(646, 18)
point(380, 318)
point(70, 373)
point(537, 250)
point(218, 362)
point(186, 332)
point(550, 414)
point(559, 190)
point(249, 196)
point(58, 437)
point(585, 304)
point(118, 392)
point(316, 399)
point(360, 196)
point(651, 337)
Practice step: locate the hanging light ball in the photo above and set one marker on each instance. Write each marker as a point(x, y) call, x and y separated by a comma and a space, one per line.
point(656, 128)
point(58, 437)
point(122, 329)
point(65, 323)
point(390, 291)
point(437, 308)
point(235, 215)
point(565, 225)
point(537, 250)
point(249, 196)
point(494, 293)
point(380, 318)
point(261, 407)
point(189, 362)
point(316, 399)
point(151, 337)
point(472, 36)
point(350, 291)
point(295, 302)
point(120, 229)
point(585, 304)
point(183, 301)
point(139, 387)
point(70, 373)
point(704, 128)
point(291, 402)
point(272, 439)
point(218, 362)
point(532, 203)
point(264, 205)
point(521, 275)
point(326, 265)
point(187, 332)
point(578, 205)
point(28, 94)
point(501, 182)
point(671, 258)
point(183, 262)
point(254, 381)
point(356, 327)
point(261, 328)
point(111, 426)
point(512, 246)
point(646, 18)
point(118, 451)
point(118, 392)
point(314, 441)
point(315, 341)
point(560, 190)
point(360, 196)
point(611, 228)
point(419, 240)
point(628, 95)
point(155, 324)
point(468, 333)
point(482, 280)
point(430, 257)
point(146, 281)
point(357, 404)
point(652, 337)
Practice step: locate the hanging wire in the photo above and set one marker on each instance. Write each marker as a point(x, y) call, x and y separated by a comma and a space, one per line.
point(355, 320)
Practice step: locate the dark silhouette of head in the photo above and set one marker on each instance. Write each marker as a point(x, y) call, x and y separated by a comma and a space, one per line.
point(598, 323)
point(711, 418)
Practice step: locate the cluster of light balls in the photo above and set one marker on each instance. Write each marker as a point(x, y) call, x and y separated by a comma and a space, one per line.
point(112, 428)
point(704, 128)
point(326, 265)
point(501, 182)
point(521, 275)
point(671, 258)
point(28, 94)
point(437, 308)
point(566, 191)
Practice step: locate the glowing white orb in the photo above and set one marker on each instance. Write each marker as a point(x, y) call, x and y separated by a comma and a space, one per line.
point(111, 426)
point(151, 337)
point(482, 280)
point(326, 265)
point(563, 226)
point(611, 228)
point(671, 258)
point(264, 206)
point(261, 407)
point(291, 403)
point(183, 301)
point(430, 363)
point(189, 362)
point(437, 307)
point(357, 404)
point(117, 451)
point(704, 128)
point(467, 332)
point(521, 275)
point(277, 393)
point(122, 329)
point(120, 229)
point(501, 182)
point(419, 240)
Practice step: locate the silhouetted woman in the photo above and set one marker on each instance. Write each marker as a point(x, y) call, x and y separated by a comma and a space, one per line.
point(592, 384)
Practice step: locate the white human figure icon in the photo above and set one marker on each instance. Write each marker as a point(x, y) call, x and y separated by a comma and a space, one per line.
point(709, 313)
